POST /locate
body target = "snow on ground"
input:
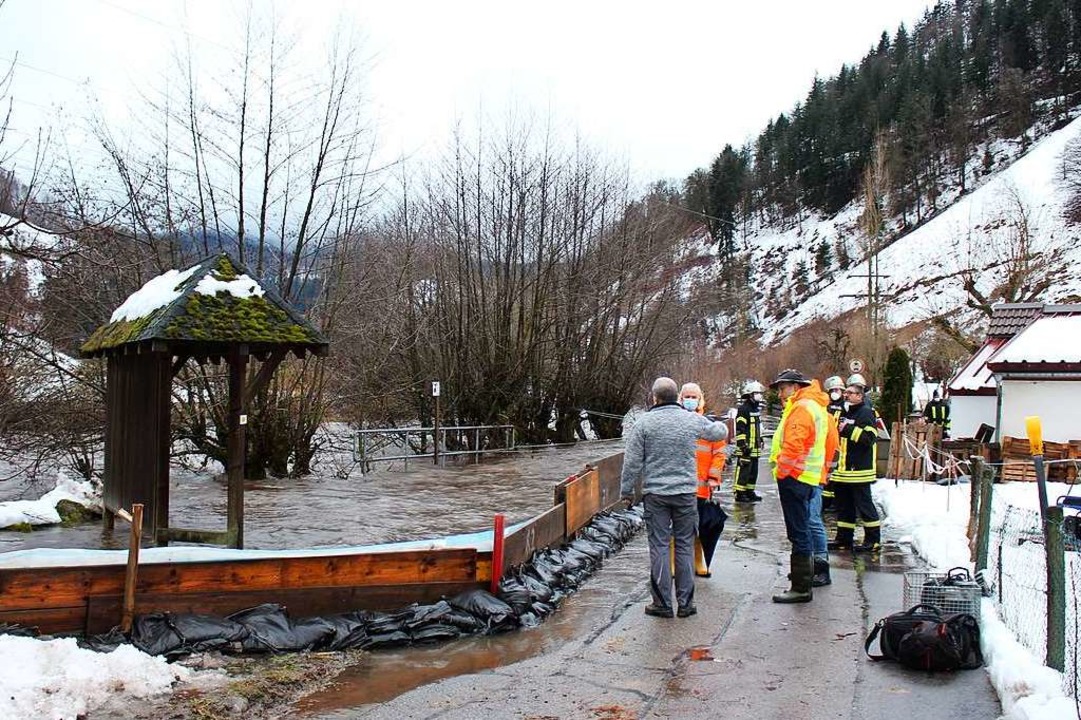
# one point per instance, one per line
(57, 679)
(43, 510)
(934, 520)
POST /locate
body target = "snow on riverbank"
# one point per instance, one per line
(43, 510)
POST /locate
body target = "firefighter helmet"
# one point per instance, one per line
(834, 382)
(857, 380)
(751, 387)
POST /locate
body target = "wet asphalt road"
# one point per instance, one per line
(741, 657)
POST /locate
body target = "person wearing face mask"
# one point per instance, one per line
(798, 460)
(856, 471)
(709, 461)
(835, 388)
(749, 442)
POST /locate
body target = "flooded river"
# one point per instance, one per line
(423, 501)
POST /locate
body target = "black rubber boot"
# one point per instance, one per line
(843, 540)
(821, 573)
(872, 541)
(802, 566)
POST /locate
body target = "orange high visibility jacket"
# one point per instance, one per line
(709, 458)
(797, 440)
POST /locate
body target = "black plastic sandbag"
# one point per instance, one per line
(515, 594)
(271, 630)
(496, 614)
(350, 630)
(395, 638)
(538, 591)
(18, 630)
(182, 634)
(105, 642)
(436, 632)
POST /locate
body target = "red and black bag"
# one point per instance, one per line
(920, 638)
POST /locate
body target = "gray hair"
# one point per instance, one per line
(665, 390)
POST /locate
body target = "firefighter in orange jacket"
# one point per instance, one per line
(709, 458)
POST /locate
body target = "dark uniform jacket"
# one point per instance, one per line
(749, 429)
(859, 445)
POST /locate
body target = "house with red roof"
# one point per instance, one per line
(1030, 364)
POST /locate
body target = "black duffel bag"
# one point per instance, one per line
(922, 639)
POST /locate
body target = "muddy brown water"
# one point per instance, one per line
(423, 501)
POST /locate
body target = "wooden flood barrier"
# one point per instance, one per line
(89, 598)
(907, 439)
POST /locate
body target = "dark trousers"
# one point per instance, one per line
(854, 502)
(746, 474)
(671, 517)
(796, 506)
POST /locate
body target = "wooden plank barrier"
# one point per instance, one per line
(90, 599)
(583, 501)
(545, 530)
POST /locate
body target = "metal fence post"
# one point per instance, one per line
(1056, 590)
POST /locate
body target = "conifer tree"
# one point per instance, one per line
(897, 387)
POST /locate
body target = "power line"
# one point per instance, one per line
(701, 214)
(28, 66)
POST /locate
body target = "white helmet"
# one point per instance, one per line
(834, 382)
(751, 387)
(857, 379)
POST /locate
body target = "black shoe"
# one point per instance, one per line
(753, 496)
(659, 611)
(686, 611)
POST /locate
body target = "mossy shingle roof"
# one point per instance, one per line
(216, 302)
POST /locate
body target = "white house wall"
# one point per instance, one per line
(1057, 402)
(968, 412)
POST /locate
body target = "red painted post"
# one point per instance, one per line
(497, 553)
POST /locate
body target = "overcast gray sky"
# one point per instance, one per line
(664, 84)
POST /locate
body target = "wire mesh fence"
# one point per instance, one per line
(1017, 561)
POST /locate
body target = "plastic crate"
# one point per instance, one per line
(930, 588)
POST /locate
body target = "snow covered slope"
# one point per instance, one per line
(922, 270)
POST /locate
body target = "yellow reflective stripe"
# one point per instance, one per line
(872, 523)
(846, 525)
(856, 434)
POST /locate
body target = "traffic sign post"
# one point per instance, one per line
(435, 423)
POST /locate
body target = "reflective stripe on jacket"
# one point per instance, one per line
(859, 446)
(749, 429)
(799, 445)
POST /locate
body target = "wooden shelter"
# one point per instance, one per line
(213, 312)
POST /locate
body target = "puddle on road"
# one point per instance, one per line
(386, 674)
(700, 654)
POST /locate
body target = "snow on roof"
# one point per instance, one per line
(1051, 339)
(975, 375)
(156, 293)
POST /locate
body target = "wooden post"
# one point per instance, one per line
(497, 552)
(975, 491)
(238, 360)
(1056, 590)
(133, 567)
(986, 481)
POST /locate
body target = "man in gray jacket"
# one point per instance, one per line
(660, 452)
